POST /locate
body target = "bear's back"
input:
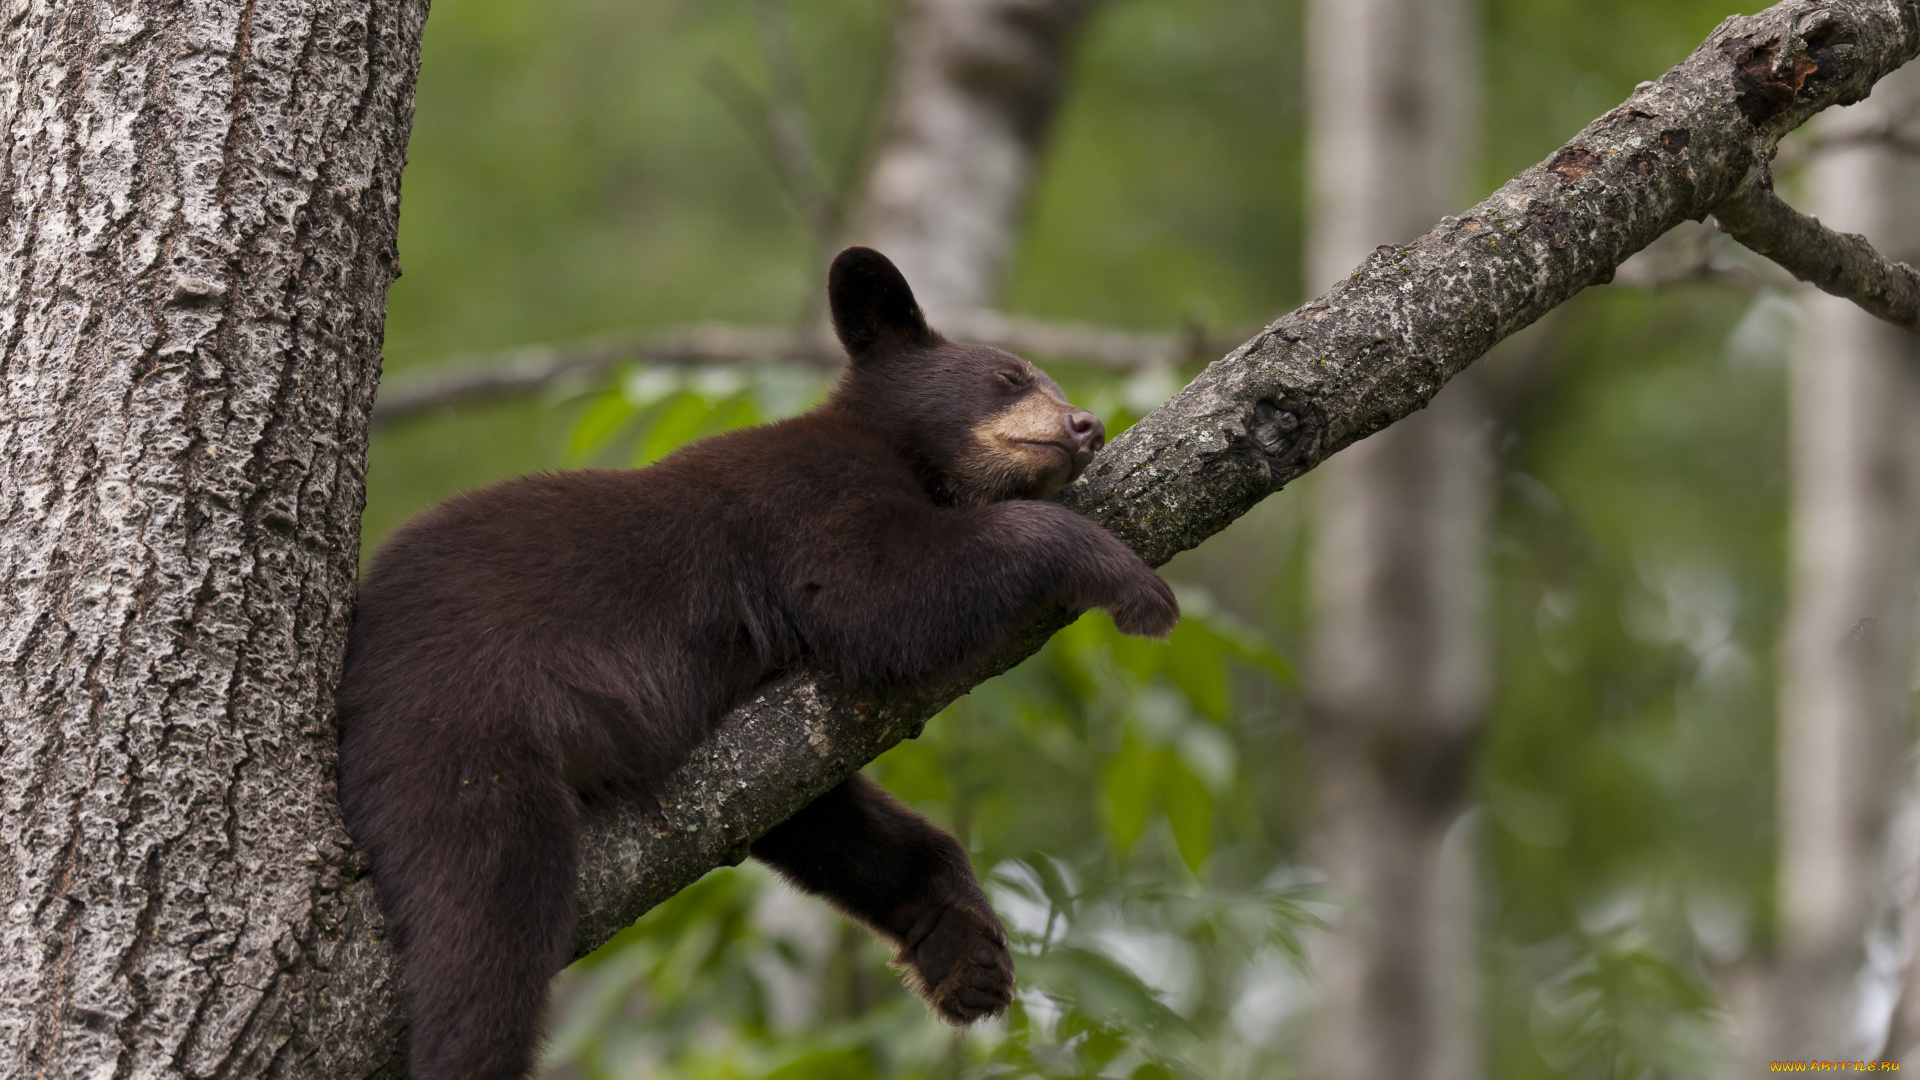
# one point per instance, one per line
(587, 606)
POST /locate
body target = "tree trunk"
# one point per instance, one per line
(1398, 673)
(974, 90)
(198, 213)
(1847, 655)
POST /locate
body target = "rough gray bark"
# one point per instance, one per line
(1397, 677)
(179, 530)
(975, 86)
(1846, 659)
(197, 212)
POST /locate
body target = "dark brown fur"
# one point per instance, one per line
(575, 635)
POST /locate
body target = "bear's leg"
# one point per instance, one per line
(478, 890)
(909, 880)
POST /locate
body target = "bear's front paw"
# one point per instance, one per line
(1148, 608)
(958, 961)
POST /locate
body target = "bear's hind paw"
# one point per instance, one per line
(962, 966)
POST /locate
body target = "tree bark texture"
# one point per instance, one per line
(974, 89)
(1397, 678)
(197, 221)
(181, 492)
(1846, 710)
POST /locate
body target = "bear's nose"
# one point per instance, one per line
(1088, 433)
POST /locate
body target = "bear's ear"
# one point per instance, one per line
(872, 304)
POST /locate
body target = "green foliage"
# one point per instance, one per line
(1136, 808)
(1162, 719)
(1620, 1011)
(572, 173)
(651, 411)
(1554, 66)
(1174, 192)
(1628, 766)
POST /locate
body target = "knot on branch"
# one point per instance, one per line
(1284, 436)
(1273, 427)
(1770, 76)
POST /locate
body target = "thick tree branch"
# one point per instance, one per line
(1843, 264)
(1373, 350)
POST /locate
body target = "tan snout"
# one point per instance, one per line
(1045, 425)
(1031, 449)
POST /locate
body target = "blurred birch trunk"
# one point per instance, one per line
(1397, 676)
(972, 97)
(1847, 658)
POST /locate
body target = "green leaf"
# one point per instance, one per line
(743, 414)
(1159, 714)
(1053, 881)
(1210, 754)
(845, 1064)
(1190, 812)
(692, 952)
(1196, 661)
(602, 420)
(1219, 631)
(1623, 1003)
(1143, 657)
(914, 772)
(677, 426)
(1131, 787)
(1098, 987)
(727, 892)
(1101, 1046)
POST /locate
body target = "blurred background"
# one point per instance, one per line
(1561, 731)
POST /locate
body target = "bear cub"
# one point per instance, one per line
(524, 649)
